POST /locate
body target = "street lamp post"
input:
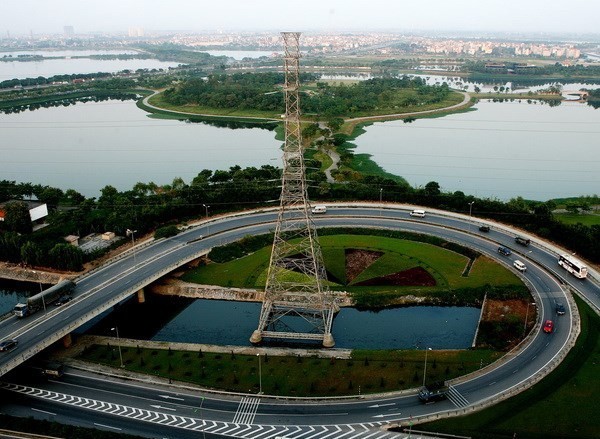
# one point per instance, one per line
(425, 366)
(380, 199)
(41, 290)
(116, 329)
(526, 317)
(470, 213)
(259, 375)
(130, 232)
(207, 226)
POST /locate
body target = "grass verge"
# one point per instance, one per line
(365, 372)
(565, 404)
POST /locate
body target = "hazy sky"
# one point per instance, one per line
(573, 16)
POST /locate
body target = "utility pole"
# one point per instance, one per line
(296, 247)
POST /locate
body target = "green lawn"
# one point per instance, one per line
(587, 219)
(369, 371)
(444, 265)
(563, 405)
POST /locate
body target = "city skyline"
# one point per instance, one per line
(508, 16)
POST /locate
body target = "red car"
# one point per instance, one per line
(548, 326)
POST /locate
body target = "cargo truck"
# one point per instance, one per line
(43, 299)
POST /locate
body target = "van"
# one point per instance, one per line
(53, 370)
(418, 213)
(519, 266)
(319, 209)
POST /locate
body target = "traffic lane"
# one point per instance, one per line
(41, 409)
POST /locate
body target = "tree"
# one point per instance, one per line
(51, 196)
(66, 257)
(432, 188)
(74, 198)
(17, 218)
(31, 254)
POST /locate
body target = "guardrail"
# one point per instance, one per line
(90, 315)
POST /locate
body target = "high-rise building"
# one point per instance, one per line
(68, 31)
(136, 32)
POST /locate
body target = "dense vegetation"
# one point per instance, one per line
(147, 206)
(249, 91)
(519, 68)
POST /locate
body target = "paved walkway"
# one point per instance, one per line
(146, 102)
(465, 101)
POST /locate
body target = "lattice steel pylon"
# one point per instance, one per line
(297, 302)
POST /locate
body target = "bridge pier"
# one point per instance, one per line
(141, 296)
(67, 340)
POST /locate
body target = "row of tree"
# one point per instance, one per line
(147, 206)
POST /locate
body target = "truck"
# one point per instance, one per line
(522, 241)
(432, 394)
(43, 299)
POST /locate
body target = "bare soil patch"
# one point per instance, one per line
(357, 260)
(417, 276)
(496, 310)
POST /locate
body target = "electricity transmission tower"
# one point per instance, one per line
(297, 303)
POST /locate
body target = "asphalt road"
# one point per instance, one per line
(132, 404)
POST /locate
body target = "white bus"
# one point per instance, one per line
(573, 266)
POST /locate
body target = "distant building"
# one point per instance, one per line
(107, 236)
(72, 239)
(136, 32)
(69, 31)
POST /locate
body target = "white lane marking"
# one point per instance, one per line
(107, 426)
(381, 405)
(43, 411)
(385, 416)
(171, 397)
(158, 407)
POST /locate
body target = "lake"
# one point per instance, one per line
(90, 145)
(71, 66)
(501, 150)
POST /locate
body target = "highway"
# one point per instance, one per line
(153, 410)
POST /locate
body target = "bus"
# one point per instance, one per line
(573, 266)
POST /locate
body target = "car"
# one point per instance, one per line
(548, 326)
(319, 209)
(418, 213)
(485, 229)
(62, 300)
(7, 345)
(560, 308)
(504, 251)
(519, 265)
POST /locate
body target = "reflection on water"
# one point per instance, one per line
(87, 146)
(232, 323)
(502, 150)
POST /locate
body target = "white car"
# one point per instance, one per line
(519, 265)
